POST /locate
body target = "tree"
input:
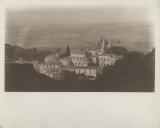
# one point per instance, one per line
(88, 54)
(135, 72)
(68, 51)
(34, 49)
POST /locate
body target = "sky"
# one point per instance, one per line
(140, 5)
(56, 26)
(80, 15)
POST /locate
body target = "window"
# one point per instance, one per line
(76, 64)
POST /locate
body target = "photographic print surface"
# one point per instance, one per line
(90, 49)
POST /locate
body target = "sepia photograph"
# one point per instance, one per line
(83, 49)
(79, 64)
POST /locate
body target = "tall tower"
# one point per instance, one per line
(102, 46)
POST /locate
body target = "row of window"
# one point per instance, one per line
(49, 66)
(105, 64)
(80, 63)
(87, 71)
(78, 58)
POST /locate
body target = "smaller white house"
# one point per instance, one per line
(90, 71)
(51, 67)
(108, 59)
(87, 71)
(50, 70)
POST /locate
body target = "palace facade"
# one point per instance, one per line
(79, 63)
(79, 59)
(108, 59)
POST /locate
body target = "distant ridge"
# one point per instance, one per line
(15, 52)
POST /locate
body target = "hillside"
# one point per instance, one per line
(15, 52)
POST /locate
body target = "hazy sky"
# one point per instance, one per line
(38, 27)
(79, 15)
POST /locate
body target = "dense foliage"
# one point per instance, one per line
(117, 50)
(67, 52)
(135, 72)
(15, 52)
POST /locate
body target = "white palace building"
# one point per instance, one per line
(79, 63)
